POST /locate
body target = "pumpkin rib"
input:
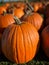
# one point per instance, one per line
(30, 42)
(34, 36)
(20, 57)
(16, 46)
(30, 39)
(24, 43)
(12, 43)
(9, 49)
(22, 28)
(5, 48)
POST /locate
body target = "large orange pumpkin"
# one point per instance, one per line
(45, 39)
(19, 42)
(35, 19)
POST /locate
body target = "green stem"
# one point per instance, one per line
(17, 20)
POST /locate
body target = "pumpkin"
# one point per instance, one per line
(45, 39)
(21, 5)
(6, 5)
(2, 9)
(18, 12)
(47, 21)
(36, 6)
(0, 42)
(47, 11)
(5, 21)
(20, 41)
(32, 17)
(35, 19)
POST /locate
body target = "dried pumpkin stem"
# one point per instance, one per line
(29, 6)
(4, 13)
(28, 12)
(17, 20)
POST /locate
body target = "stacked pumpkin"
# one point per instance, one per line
(19, 27)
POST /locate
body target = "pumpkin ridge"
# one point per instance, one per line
(16, 45)
(29, 38)
(12, 43)
(12, 28)
(5, 43)
(23, 41)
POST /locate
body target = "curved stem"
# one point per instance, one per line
(29, 6)
(17, 20)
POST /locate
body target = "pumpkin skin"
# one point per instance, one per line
(0, 42)
(36, 6)
(47, 21)
(45, 39)
(8, 19)
(6, 5)
(21, 5)
(19, 42)
(47, 11)
(35, 19)
(5, 21)
(18, 12)
(2, 9)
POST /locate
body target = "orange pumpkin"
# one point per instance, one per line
(45, 39)
(21, 5)
(5, 20)
(35, 19)
(36, 6)
(18, 12)
(20, 41)
(47, 21)
(2, 9)
(6, 5)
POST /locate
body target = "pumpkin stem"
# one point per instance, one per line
(17, 20)
(29, 6)
(4, 13)
(28, 12)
